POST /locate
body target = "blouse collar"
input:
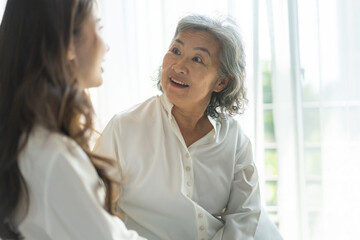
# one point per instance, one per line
(168, 107)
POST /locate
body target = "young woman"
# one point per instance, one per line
(50, 52)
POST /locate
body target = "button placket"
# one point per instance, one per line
(188, 174)
(201, 224)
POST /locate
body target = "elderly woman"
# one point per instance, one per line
(188, 166)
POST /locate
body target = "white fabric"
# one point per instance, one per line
(315, 59)
(266, 229)
(66, 197)
(175, 192)
(286, 118)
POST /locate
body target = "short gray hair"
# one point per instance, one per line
(232, 99)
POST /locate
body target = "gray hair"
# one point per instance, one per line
(232, 99)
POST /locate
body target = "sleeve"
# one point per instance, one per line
(243, 209)
(74, 202)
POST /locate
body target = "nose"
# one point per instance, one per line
(180, 66)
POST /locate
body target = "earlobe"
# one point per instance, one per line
(222, 84)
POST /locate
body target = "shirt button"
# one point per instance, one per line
(188, 169)
(202, 228)
(187, 155)
(200, 215)
(188, 183)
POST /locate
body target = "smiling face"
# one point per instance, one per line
(190, 70)
(90, 49)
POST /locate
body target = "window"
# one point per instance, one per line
(311, 104)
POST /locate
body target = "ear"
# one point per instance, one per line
(221, 84)
(71, 55)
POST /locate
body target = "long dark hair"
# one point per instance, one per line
(38, 85)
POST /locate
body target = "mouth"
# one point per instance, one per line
(178, 82)
(102, 65)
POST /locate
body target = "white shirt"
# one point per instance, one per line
(66, 197)
(177, 192)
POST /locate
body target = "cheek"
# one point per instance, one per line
(163, 77)
(103, 46)
(164, 68)
(99, 49)
(166, 62)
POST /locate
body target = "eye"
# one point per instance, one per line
(176, 51)
(198, 60)
(99, 25)
(100, 28)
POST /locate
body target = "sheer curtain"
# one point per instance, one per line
(285, 117)
(315, 55)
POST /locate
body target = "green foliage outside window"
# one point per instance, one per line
(270, 154)
(269, 133)
(271, 163)
(266, 82)
(271, 193)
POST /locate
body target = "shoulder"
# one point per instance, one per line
(235, 127)
(229, 127)
(139, 113)
(58, 144)
(230, 133)
(54, 164)
(44, 148)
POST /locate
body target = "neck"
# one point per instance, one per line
(187, 119)
(193, 125)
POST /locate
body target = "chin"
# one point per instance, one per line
(98, 84)
(95, 84)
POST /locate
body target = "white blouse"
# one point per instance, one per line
(66, 197)
(206, 191)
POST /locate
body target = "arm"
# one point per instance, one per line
(74, 198)
(243, 209)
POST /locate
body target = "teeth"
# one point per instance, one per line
(180, 83)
